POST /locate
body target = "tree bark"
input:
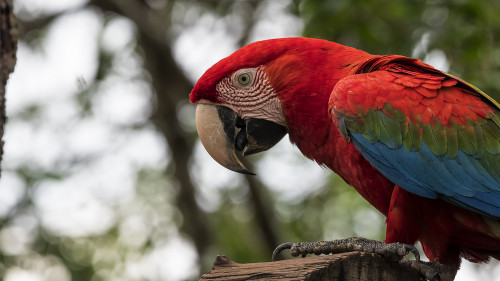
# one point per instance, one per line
(8, 48)
(353, 266)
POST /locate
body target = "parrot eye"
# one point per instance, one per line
(244, 79)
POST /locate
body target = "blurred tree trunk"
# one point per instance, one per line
(8, 48)
(171, 88)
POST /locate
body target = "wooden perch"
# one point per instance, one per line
(353, 266)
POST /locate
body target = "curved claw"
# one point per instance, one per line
(280, 249)
(411, 248)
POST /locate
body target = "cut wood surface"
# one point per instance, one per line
(346, 266)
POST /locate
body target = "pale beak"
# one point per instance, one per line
(216, 125)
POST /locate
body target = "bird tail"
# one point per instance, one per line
(494, 225)
(479, 246)
(479, 256)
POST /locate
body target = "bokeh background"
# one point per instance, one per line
(103, 175)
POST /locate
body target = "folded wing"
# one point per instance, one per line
(427, 131)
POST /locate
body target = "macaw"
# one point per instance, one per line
(420, 145)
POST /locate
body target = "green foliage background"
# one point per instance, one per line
(465, 31)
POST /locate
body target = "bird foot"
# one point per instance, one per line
(432, 271)
(393, 252)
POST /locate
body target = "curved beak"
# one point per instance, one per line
(217, 127)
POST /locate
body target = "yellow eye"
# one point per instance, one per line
(244, 79)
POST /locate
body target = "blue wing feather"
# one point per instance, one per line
(425, 174)
(476, 171)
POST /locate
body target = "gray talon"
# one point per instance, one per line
(411, 248)
(280, 249)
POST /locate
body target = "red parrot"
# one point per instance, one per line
(420, 145)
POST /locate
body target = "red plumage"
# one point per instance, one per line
(303, 72)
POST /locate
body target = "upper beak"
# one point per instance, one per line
(216, 125)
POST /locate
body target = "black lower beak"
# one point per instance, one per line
(218, 127)
(255, 135)
(258, 135)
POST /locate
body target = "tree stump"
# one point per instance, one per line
(353, 266)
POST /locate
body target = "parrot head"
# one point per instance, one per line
(245, 102)
(237, 108)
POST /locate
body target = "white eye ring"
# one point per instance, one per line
(244, 79)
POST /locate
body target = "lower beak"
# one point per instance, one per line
(217, 125)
